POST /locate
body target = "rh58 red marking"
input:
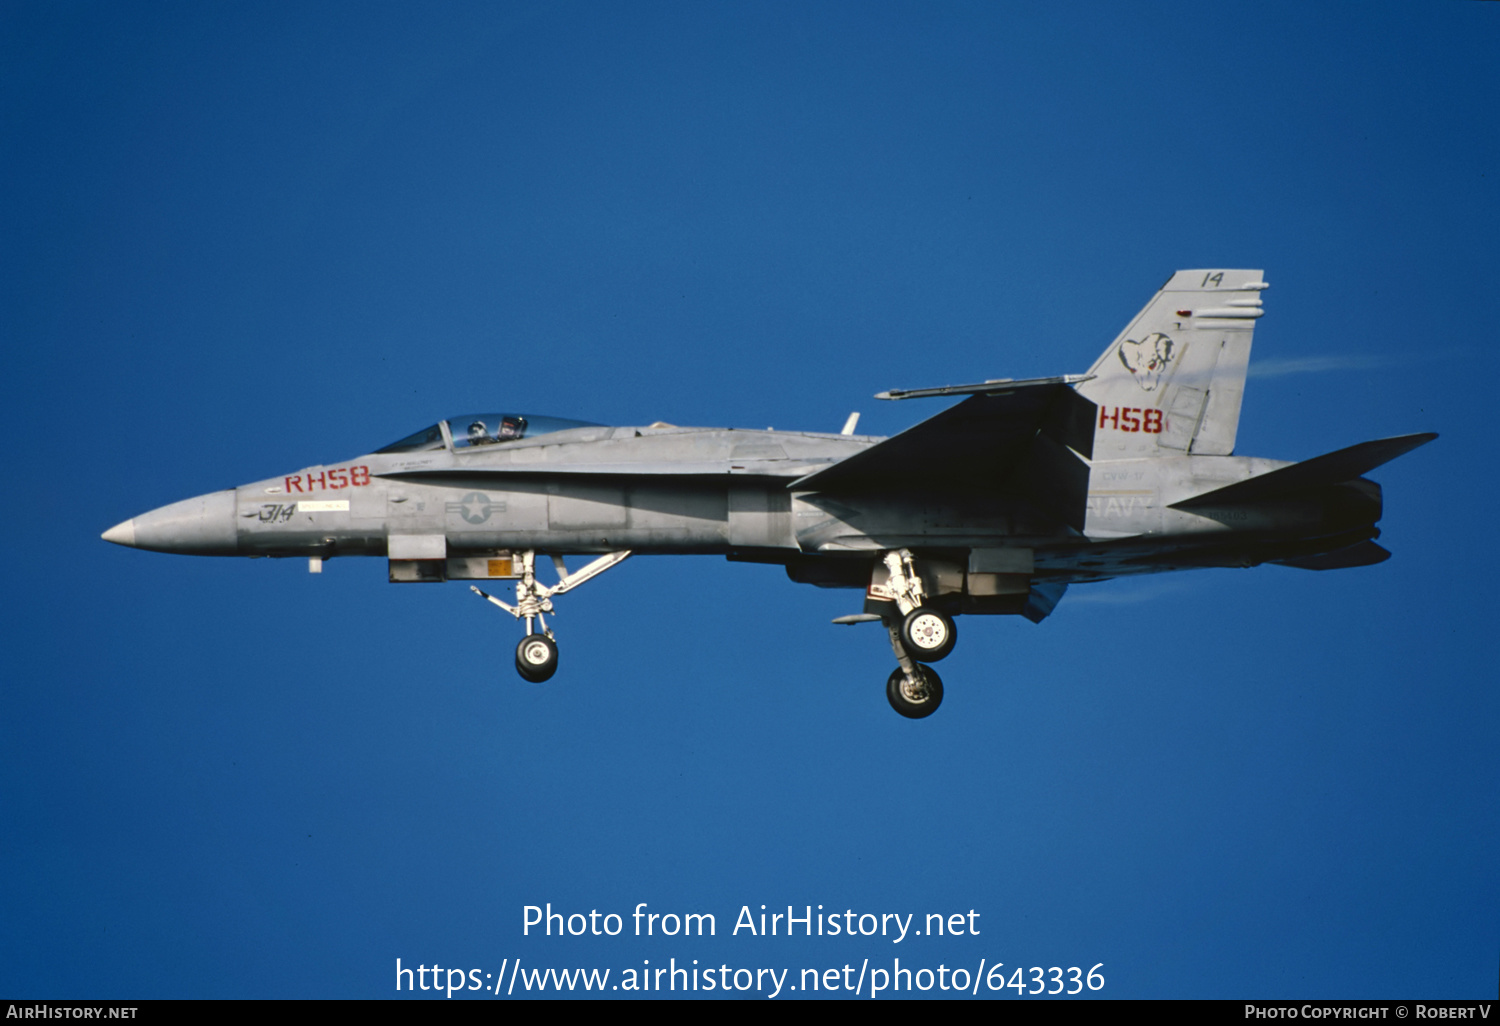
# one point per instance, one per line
(1128, 418)
(338, 477)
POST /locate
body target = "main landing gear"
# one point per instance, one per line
(536, 655)
(918, 632)
(913, 689)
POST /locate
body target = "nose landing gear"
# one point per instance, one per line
(536, 655)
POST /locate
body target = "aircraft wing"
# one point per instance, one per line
(1022, 442)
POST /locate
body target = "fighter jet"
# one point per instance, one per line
(995, 506)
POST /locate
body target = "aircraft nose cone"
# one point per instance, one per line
(121, 534)
(200, 526)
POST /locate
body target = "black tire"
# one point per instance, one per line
(915, 706)
(536, 658)
(928, 634)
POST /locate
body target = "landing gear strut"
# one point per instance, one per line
(536, 656)
(928, 633)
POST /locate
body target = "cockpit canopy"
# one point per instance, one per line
(471, 430)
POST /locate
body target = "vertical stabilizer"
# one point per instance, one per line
(1172, 382)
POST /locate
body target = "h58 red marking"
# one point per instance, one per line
(1129, 418)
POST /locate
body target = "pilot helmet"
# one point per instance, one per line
(478, 430)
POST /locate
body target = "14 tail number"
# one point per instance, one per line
(1129, 418)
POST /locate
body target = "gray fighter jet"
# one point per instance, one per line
(994, 506)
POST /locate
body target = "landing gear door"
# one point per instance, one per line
(501, 565)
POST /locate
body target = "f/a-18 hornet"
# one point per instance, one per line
(994, 506)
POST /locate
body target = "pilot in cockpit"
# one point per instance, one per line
(479, 434)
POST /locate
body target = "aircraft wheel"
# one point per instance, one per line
(536, 658)
(928, 634)
(915, 701)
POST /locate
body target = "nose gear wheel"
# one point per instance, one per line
(536, 658)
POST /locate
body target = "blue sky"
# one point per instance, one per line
(241, 239)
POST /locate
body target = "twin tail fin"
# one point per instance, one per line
(1172, 382)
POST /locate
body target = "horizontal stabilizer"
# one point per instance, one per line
(1329, 469)
(1366, 553)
